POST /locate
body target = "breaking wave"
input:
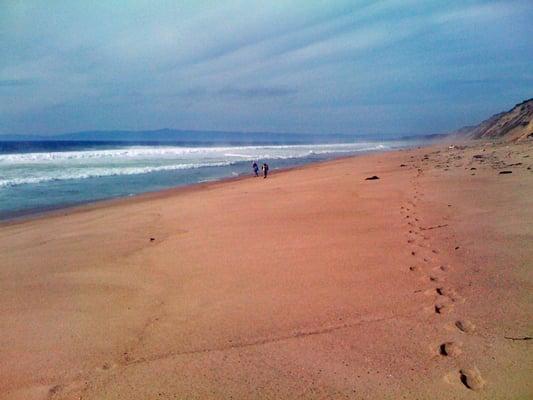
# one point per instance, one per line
(102, 172)
(39, 167)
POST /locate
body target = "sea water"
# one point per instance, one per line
(36, 176)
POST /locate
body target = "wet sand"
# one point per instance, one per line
(313, 283)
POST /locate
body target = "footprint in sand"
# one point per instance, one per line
(54, 390)
(107, 366)
(465, 326)
(472, 379)
(449, 294)
(454, 296)
(443, 299)
(449, 349)
(442, 308)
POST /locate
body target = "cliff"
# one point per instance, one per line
(513, 125)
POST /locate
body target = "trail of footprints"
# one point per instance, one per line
(433, 274)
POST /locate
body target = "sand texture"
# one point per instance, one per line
(313, 284)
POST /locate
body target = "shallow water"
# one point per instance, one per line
(36, 176)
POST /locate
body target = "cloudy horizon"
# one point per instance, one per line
(352, 67)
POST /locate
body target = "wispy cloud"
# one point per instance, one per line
(479, 12)
(307, 65)
(257, 92)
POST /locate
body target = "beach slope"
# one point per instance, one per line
(312, 283)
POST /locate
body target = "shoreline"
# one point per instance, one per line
(39, 213)
(76, 192)
(312, 283)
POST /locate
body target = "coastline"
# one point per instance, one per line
(29, 214)
(65, 178)
(312, 283)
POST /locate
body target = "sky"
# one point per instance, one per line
(303, 66)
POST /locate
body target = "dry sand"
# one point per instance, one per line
(313, 283)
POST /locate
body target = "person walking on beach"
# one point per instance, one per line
(255, 168)
(265, 170)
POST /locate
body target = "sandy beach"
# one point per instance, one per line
(314, 283)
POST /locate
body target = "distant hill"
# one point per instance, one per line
(513, 125)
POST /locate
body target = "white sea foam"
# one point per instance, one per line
(102, 172)
(143, 152)
(32, 168)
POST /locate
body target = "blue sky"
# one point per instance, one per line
(367, 67)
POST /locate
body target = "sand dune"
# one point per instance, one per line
(513, 125)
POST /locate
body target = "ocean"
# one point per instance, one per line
(39, 176)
